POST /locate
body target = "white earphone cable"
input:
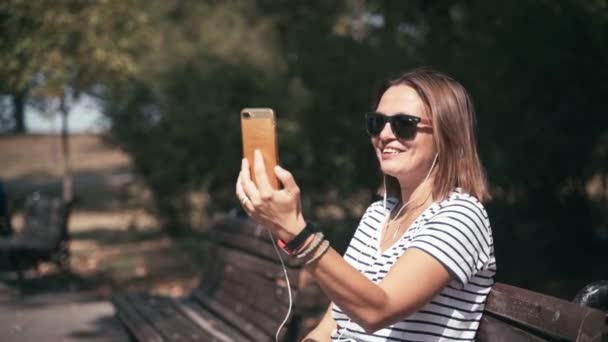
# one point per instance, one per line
(424, 181)
(276, 249)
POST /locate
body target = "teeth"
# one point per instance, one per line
(390, 150)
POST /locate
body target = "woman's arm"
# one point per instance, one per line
(322, 332)
(414, 280)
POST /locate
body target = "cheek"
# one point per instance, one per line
(427, 149)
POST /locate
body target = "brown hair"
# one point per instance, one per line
(453, 117)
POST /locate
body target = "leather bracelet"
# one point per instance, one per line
(297, 242)
(318, 239)
(324, 248)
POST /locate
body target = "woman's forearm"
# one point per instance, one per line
(322, 332)
(361, 299)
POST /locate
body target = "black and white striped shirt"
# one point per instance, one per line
(457, 233)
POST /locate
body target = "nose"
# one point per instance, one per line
(387, 132)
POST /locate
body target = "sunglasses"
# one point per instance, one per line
(403, 125)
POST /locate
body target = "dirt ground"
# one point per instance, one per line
(115, 243)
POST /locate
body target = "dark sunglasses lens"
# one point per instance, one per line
(374, 123)
(403, 127)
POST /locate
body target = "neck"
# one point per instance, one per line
(419, 195)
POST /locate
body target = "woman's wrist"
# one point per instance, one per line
(289, 231)
(305, 245)
(294, 240)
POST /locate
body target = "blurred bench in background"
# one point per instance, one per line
(44, 236)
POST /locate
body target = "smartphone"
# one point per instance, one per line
(258, 129)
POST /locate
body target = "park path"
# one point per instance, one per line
(57, 316)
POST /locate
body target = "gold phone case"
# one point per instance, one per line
(258, 129)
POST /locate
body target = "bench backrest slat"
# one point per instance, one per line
(259, 293)
(260, 246)
(540, 315)
(255, 284)
(496, 330)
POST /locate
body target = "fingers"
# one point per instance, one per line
(261, 177)
(249, 187)
(242, 196)
(287, 180)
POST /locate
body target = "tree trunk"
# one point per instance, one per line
(19, 111)
(65, 149)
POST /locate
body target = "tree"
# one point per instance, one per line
(54, 51)
(179, 120)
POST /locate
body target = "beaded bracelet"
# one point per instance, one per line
(324, 248)
(312, 246)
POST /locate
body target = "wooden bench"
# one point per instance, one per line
(515, 314)
(44, 236)
(242, 296)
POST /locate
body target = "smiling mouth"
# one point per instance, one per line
(390, 150)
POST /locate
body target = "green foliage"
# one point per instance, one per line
(50, 48)
(535, 69)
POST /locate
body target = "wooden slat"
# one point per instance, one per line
(213, 270)
(260, 312)
(170, 323)
(260, 247)
(547, 315)
(594, 327)
(256, 264)
(264, 304)
(260, 318)
(231, 317)
(494, 330)
(256, 284)
(241, 226)
(218, 330)
(136, 324)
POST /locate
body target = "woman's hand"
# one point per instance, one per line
(277, 210)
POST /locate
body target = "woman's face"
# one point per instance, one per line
(407, 160)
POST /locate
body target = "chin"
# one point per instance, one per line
(390, 170)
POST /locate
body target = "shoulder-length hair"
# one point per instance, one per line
(451, 111)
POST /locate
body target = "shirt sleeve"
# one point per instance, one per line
(459, 237)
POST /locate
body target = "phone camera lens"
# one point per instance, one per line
(246, 115)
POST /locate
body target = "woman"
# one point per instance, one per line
(421, 262)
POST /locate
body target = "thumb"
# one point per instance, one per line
(286, 179)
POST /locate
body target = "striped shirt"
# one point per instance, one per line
(457, 233)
